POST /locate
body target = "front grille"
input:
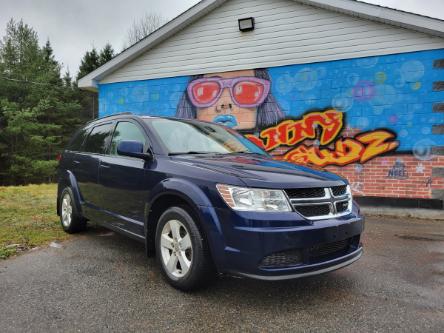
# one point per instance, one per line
(282, 259)
(321, 203)
(320, 251)
(310, 255)
(341, 206)
(313, 210)
(339, 190)
(300, 193)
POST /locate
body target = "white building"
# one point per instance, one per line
(355, 88)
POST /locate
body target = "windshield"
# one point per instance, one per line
(190, 137)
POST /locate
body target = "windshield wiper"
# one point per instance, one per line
(246, 152)
(191, 152)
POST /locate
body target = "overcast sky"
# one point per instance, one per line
(74, 26)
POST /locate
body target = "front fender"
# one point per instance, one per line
(184, 187)
(198, 200)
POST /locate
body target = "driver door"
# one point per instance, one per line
(122, 181)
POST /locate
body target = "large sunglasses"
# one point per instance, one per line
(247, 92)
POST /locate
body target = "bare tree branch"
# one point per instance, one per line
(143, 27)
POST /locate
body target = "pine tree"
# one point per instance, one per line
(48, 55)
(106, 54)
(19, 51)
(37, 111)
(89, 62)
(67, 79)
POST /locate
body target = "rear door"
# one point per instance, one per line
(86, 163)
(122, 180)
(70, 154)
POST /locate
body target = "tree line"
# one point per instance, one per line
(41, 107)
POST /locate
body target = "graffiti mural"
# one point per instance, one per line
(365, 118)
(240, 100)
(325, 127)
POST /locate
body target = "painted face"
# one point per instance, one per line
(230, 98)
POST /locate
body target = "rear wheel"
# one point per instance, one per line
(69, 217)
(181, 250)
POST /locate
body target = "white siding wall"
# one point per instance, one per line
(287, 32)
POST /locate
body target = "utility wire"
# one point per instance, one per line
(38, 83)
(25, 81)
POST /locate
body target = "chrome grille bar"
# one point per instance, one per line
(307, 206)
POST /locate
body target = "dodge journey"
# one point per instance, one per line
(205, 200)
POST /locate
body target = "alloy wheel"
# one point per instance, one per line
(66, 210)
(176, 248)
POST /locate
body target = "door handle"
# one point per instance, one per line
(105, 165)
(76, 162)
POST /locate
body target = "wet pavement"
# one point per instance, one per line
(100, 281)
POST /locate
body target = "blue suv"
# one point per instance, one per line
(204, 199)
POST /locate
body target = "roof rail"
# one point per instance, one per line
(112, 115)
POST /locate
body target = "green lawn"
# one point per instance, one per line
(28, 218)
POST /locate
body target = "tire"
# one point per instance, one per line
(182, 251)
(70, 219)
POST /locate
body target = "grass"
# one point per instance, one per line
(28, 218)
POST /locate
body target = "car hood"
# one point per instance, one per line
(258, 171)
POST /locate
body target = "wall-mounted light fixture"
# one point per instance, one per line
(246, 24)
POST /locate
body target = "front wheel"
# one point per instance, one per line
(181, 251)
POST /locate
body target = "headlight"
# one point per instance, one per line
(252, 199)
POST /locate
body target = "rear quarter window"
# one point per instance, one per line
(77, 140)
(98, 140)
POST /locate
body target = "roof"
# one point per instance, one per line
(416, 22)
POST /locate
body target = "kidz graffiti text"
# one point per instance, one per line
(327, 146)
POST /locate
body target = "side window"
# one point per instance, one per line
(98, 139)
(76, 142)
(126, 131)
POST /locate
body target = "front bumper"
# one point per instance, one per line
(251, 237)
(315, 269)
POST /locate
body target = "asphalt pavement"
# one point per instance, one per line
(102, 282)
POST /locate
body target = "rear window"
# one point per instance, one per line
(77, 140)
(98, 139)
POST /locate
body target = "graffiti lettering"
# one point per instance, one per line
(377, 143)
(429, 182)
(398, 171)
(292, 132)
(339, 151)
(346, 150)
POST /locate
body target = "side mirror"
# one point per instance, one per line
(133, 149)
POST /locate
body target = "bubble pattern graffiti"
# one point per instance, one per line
(356, 117)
